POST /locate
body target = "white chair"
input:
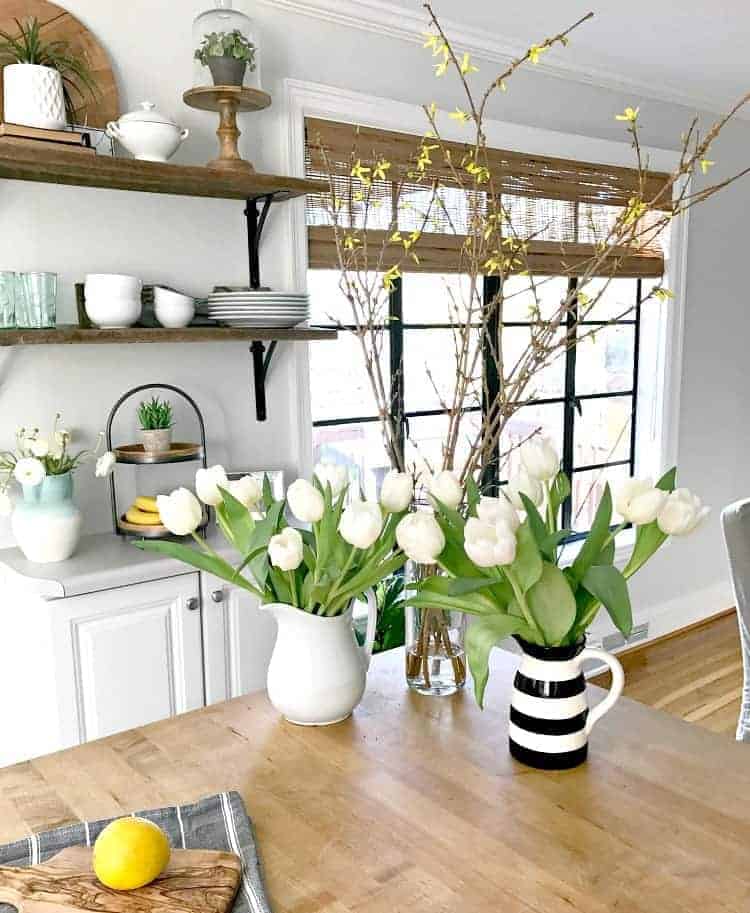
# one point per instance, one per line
(735, 521)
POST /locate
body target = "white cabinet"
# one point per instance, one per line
(238, 639)
(128, 656)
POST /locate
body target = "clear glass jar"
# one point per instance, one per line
(36, 300)
(7, 299)
(435, 653)
(226, 51)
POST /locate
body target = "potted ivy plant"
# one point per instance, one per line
(227, 55)
(41, 79)
(156, 421)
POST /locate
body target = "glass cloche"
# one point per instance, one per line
(226, 51)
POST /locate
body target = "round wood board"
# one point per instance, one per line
(206, 98)
(58, 24)
(177, 453)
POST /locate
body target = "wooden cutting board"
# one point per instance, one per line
(195, 881)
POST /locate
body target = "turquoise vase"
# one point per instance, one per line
(46, 523)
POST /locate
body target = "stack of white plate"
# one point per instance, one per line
(256, 308)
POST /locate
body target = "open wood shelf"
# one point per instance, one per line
(73, 335)
(23, 162)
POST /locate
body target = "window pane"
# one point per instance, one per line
(339, 385)
(588, 488)
(432, 298)
(329, 305)
(609, 299)
(427, 435)
(604, 361)
(430, 369)
(602, 432)
(549, 383)
(549, 419)
(359, 447)
(519, 303)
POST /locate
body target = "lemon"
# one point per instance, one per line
(130, 853)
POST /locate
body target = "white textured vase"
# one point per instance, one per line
(33, 96)
(318, 671)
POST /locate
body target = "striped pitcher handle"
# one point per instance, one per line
(618, 683)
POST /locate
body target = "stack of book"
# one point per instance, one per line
(68, 139)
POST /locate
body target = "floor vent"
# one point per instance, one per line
(616, 641)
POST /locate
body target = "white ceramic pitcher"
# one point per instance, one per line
(318, 671)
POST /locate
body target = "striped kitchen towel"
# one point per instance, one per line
(217, 822)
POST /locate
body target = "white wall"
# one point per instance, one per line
(195, 243)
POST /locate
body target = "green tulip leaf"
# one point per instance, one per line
(596, 539)
(527, 566)
(552, 603)
(473, 496)
(559, 491)
(481, 636)
(609, 587)
(202, 561)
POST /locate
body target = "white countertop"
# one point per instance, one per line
(102, 561)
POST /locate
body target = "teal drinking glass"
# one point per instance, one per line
(36, 300)
(7, 300)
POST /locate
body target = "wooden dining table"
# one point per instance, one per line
(414, 804)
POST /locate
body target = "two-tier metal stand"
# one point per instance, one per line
(131, 455)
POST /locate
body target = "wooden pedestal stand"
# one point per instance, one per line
(228, 101)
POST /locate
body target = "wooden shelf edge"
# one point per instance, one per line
(73, 335)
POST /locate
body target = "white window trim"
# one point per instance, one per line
(657, 439)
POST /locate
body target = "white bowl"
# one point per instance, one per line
(172, 309)
(108, 312)
(113, 284)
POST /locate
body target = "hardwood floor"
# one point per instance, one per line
(695, 675)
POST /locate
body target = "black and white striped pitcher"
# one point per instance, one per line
(550, 720)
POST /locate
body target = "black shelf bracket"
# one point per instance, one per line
(261, 364)
(256, 212)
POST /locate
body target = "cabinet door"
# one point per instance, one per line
(135, 653)
(238, 638)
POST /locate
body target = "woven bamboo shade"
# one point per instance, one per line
(565, 205)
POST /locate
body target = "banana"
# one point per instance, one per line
(143, 502)
(142, 517)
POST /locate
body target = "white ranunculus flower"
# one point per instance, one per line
(489, 544)
(540, 459)
(523, 483)
(361, 523)
(419, 536)
(105, 464)
(638, 502)
(62, 437)
(247, 491)
(305, 501)
(285, 549)
(39, 447)
(207, 484)
(446, 488)
(396, 491)
(334, 475)
(180, 511)
(496, 510)
(29, 471)
(681, 512)
(6, 505)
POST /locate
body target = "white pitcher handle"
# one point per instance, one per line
(618, 683)
(372, 624)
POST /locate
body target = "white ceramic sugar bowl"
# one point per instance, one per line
(147, 133)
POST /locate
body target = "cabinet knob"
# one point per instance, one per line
(218, 595)
(193, 604)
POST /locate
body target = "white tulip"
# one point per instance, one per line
(419, 536)
(334, 475)
(361, 523)
(489, 544)
(39, 447)
(305, 501)
(6, 505)
(498, 510)
(396, 492)
(446, 488)
(246, 490)
(681, 512)
(105, 464)
(29, 471)
(540, 459)
(523, 483)
(180, 512)
(207, 483)
(638, 502)
(285, 549)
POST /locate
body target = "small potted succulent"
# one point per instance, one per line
(156, 421)
(41, 79)
(227, 55)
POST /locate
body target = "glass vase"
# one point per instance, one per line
(36, 300)
(7, 299)
(435, 654)
(215, 26)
